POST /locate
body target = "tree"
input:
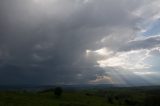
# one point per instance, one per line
(58, 91)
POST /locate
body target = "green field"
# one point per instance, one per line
(114, 97)
(49, 99)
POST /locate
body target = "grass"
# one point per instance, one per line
(110, 97)
(49, 99)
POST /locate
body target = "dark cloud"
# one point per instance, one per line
(37, 47)
(144, 43)
(45, 42)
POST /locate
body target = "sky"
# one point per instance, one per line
(47, 42)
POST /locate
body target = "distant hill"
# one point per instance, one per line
(72, 87)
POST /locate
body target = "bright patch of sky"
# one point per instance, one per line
(153, 29)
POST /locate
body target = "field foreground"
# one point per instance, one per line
(110, 97)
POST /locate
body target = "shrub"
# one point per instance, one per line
(58, 91)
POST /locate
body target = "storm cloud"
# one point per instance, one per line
(46, 41)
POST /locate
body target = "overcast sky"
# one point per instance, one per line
(44, 42)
